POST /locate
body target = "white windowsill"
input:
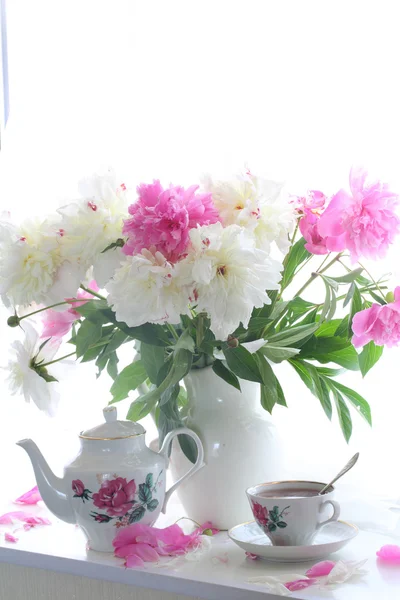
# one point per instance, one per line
(61, 548)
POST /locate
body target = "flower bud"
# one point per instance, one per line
(207, 532)
(13, 321)
(232, 342)
(390, 297)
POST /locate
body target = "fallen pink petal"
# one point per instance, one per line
(140, 543)
(299, 584)
(321, 569)
(252, 556)
(23, 517)
(31, 497)
(10, 538)
(389, 554)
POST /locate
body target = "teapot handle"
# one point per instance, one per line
(199, 464)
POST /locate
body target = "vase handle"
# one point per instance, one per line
(199, 464)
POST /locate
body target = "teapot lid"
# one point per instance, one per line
(113, 429)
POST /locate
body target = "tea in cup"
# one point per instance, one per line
(289, 512)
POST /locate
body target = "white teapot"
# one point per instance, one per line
(115, 480)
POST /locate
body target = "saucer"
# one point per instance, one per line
(330, 538)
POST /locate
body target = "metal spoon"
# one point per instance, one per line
(346, 468)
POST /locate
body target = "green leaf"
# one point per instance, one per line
(148, 333)
(88, 334)
(343, 414)
(152, 358)
(343, 328)
(328, 328)
(277, 354)
(329, 372)
(243, 364)
(149, 480)
(118, 338)
(332, 308)
(222, 371)
(349, 294)
(271, 527)
(152, 505)
(129, 379)
(137, 514)
(112, 365)
(269, 388)
(346, 357)
(370, 355)
(356, 306)
(278, 309)
(180, 367)
(185, 342)
(310, 376)
(119, 243)
(377, 298)
(93, 311)
(325, 306)
(331, 282)
(188, 446)
(293, 334)
(44, 374)
(282, 524)
(349, 277)
(145, 494)
(170, 394)
(92, 353)
(281, 396)
(297, 255)
(356, 400)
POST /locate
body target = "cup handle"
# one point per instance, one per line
(199, 464)
(336, 512)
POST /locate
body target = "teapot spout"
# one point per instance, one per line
(51, 488)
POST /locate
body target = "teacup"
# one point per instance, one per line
(289, 512)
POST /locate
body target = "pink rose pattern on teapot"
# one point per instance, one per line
(120, 500)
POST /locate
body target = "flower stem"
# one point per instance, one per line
(172, 330)
(373, 280)
(51, 362)
(318, 272)
(45, 308)
(86, 289)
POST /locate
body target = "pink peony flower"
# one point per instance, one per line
(116, 496)
(378, 323)
(163, 218)
(362, 221)
(260, 513)
(140, 543)
(313, 201)
(31, 497)
(58, 323)
(389, 554)
(308, 226)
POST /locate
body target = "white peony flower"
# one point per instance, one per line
(94, 222)
(236, 200)
(23, 379)
(257, 204)
(146, 289)
(29, 258)
(229, 274)
(277, 216)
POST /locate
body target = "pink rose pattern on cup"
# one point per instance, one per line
(120, 500)
(269, 521)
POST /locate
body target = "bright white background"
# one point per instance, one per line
(169, 89)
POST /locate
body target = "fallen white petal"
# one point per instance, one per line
(343, 571)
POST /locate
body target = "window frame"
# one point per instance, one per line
(4, 82)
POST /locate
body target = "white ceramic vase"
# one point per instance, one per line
(241, 446)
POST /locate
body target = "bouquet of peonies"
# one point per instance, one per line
(187, 275)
